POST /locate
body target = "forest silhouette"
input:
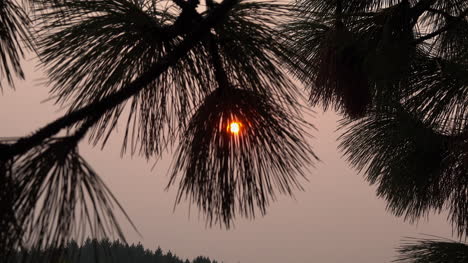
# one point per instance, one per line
(102, 251)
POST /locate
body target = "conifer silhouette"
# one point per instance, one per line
(185, 70)
(397, 70)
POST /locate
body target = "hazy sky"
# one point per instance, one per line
(337, 218)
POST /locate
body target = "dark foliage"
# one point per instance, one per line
(397, 70)
(347, 58)
(51, 195)
(11, 230)
(14, 39)
(332, 66)
(99, 54)
(226, 173)
(438, 91)
(108, 36)
(94, 48)
(432, 250)
(57, 196)
(416, 169)
(103, 251)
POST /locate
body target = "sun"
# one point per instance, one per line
(234, 127)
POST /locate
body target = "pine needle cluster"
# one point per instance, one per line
(397, 72)
(225, 172)
(172, 72)
(432, 249)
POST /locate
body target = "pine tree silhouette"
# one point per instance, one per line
(186, 72)
(397, 71)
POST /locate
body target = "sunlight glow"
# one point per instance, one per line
(234, 127)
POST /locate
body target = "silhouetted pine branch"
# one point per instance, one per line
(342, 59)
(438, 91)
(260, 66)
(98, 47)
(416, 169)
(398, 69)
(113, 100)
(432, 250)
(52, 195)
(43, 163)
(10, 229)
(118, 40)
(227, 174)
(253, 30)
(326, 58)
(15, 38)
(62, 197)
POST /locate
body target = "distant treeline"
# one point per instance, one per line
(104, 251)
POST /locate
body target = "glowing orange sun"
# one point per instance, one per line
(234, 127)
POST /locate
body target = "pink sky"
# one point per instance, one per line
(337, 218)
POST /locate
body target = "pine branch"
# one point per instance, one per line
(220, 73)
(339, 10)
(421, 7)
(226, 173)
(15, 39)
(189, 4)
(108, 103)
(440, 30)
(440, 12)
(432, 249)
